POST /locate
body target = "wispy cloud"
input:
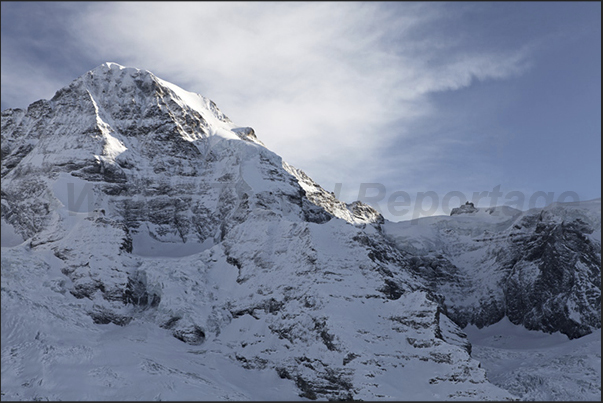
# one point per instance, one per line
(322, 83)
(39, 54)
(32, 82)
(331, 87)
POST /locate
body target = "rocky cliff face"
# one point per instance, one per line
(540, 268)
(129, 203)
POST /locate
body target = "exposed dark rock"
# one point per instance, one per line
(467, 208)
(321, 327)
(193, 335)
(104, 316)
(391, 290)
(271, 306)
(136, 294)
(349, 357)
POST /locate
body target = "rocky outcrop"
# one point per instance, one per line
(466, 208)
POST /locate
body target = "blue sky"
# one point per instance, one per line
(405, 97)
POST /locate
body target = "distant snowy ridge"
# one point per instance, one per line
(540, 268)
(153, 249)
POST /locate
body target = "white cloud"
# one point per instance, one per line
(328, 86)
(321, 83)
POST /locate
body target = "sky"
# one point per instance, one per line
(411, 107)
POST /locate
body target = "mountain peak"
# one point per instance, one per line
(112, 65)
(124, 97)
(116, 67)
(115, 72)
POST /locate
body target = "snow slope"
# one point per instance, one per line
(534, 365)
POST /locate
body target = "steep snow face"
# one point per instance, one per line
(534, 365)
(152, 249)
(540, 268)
(356, 212)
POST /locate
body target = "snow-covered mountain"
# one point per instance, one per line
(152, 249)
(540, 268)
